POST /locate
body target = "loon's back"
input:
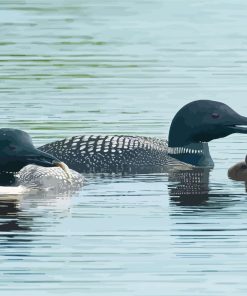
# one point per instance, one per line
(38, 177)
(110, 154)
(41, 178)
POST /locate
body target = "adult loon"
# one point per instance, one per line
(193, 126)
(22, 164)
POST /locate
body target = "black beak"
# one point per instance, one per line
(240, 125)
(41, 158)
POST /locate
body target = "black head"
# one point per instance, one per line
(17, 151)
(203, 121)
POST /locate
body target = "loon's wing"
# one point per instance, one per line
(46, 178)
(110, 154)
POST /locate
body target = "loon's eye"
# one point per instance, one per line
(12, 147)
(215, 115)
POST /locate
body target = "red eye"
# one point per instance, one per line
(12, 147)
(215, 115)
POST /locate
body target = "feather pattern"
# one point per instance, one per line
(110, 154)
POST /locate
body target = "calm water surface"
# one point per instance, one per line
(124, 67)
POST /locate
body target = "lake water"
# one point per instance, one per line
(123, 67)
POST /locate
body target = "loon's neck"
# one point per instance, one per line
(196, 154)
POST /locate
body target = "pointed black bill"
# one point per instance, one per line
(41, 158)
(240, 126)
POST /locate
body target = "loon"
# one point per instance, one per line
(193, 126)
(21, 164)
(238, 172)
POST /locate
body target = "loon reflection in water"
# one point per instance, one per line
(189, 187)
(192, 127)
(24, 166)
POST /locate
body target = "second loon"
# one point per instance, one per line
(22, 164)
(191, 129)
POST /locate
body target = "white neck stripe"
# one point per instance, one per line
(183, 150)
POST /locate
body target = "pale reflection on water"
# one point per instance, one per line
(105, 67)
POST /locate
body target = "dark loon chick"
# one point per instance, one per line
(17, 152)
(238, 172)
(193, 126)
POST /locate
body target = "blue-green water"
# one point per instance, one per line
(123, 67)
